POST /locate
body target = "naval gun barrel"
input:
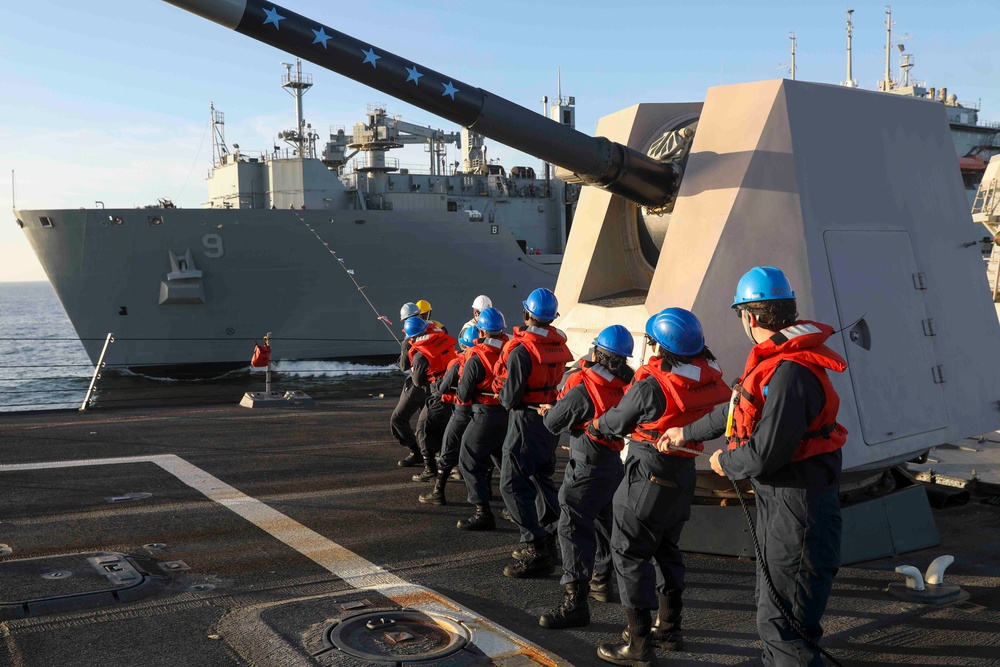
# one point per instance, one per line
(595, 160)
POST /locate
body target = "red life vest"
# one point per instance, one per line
(605, 391)
(691, 391)
(802, 343)
(261, 356)
(549, 355)
(450, 396)
(438, 349)
(488, 350)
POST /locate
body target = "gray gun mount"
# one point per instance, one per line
(594, 160)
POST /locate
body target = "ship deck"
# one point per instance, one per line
(262, 528)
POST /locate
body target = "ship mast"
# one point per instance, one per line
(887, 83)
(791, 36)
(297, 84)
(850, 82)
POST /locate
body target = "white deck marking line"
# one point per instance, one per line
(492, 639)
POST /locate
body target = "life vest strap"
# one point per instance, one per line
(824, 431)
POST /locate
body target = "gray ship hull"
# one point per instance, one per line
(195, 287)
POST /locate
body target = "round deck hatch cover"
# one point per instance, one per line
(388, 636)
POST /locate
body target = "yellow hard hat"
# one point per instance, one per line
(424, 306)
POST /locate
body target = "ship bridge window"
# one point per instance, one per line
(155, 220)
(45, 220)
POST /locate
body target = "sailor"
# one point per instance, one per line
(593, 472)
(479, 304)
(430, 351)
(411, 398)
(461, 415)
(527, 376)
(425, 314)
(681, 383)
(783, 434)
(484, 436)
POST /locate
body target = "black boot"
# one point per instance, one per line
(430, 471)
(545, 545)
(436, 495)
(573, 612)
(600, 587)
(481, 520)
(412, 459)
(667, 626)
(535, 563)
(638, 650)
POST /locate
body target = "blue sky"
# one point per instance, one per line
(109, 100)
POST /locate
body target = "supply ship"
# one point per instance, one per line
(318, 242)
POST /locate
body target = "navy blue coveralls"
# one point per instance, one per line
(461, 416)
(650, 506)
(798, 510)
(434, 415)
(411, 400)
(529, 457)
(483, 437)
(592, 474)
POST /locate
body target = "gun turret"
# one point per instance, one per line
(595, 160)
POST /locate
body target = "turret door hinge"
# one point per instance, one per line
(938, 374)
(929, 327)
(919, 282)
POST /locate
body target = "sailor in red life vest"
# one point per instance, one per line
(479, 304)
(430, 351)
(461, 415)
(527, 375)
(484, 436)
(678, 385)
(783, 434)
(592, 474)
(411, 399)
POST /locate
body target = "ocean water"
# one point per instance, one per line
(43, 366)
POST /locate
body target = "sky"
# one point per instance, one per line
(109, 101)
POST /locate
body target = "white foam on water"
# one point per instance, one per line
(327, 369)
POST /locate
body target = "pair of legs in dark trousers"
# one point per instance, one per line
(650, 508)
(451, 443)
(592, 475)
(481, 445)
(431, 424)
(527, 466)
(411, 401)
(799, 532)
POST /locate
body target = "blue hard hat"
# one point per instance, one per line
(491, 319)
(762, 283)
(677, 330)
(468, 337)
(616, 339)
(542, 303)
(414, 326)
(649, 324)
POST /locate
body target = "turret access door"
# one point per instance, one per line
(895, 373)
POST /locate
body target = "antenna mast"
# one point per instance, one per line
(887, 83)
(297, 84)
(850, 83)
(791, 36)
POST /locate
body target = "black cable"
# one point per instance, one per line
(762, 563)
